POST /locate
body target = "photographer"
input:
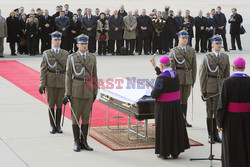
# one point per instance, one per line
(235, 21)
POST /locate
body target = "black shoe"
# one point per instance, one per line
(216, 133)
(76, 132)
(211, 139)
(232, 49)
(84, 145)
(58, 120)
(227, 51)
(1, 56)
(162, 156)
(139, 53)
(197, 51)
(240, 49)
(76, 146)
(52, 124)
(113, 54)
(174, 156)
(188, 125)
(13, 54)
(203, 51)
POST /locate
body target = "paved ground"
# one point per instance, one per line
(24, 136)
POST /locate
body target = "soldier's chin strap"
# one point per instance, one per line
(54, 121)
(76, 119)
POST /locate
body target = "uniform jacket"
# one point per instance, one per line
(3, 28)
(213, 85)
(113, 23)
(186, 71)
(50, 79)
(102, 29)
(127, 24)
(78, 88)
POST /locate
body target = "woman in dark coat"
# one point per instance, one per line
(22, 35)
(12, 27)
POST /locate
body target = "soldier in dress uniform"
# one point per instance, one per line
(183, 61)
(81, 90)
(214, 69)
(52, 78)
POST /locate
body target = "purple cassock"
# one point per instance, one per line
(233, 116)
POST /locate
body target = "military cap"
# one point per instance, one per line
(16, 10)
(56, 35)
(216, 38)
(183, 33)
(82, 38)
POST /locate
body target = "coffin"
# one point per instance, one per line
(130, 97)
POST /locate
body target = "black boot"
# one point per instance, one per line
(52, 124)
(216, 133)
(84, 144)
(209, 129)
(58, 120)
(184, 110)
(76, 132)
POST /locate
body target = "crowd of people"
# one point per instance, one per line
(118, 33)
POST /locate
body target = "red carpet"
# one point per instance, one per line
(28, 80)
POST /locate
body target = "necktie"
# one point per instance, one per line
(46, 17)
(57, 51)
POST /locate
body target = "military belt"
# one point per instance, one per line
(82, 79)
(183, 68)
(56, 72)
(215, 76)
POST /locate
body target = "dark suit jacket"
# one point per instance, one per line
(200, 22)
(235, 25)
(144, 21)
(63, 23)
(89, 23)
(44, 30)
(75, 27)
(113, 23)
(30, 30)
(220, 20)
(69, 15)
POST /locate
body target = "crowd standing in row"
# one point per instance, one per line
(127, 32)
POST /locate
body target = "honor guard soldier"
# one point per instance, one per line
(81, 90)
(52, 78)
(183, 61)
(214, 69)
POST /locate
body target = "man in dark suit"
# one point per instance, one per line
(191, 21)
(89, 28)
(68, 13)
(62, 25)
(38, 16)
(122, 11)
(79, 14)
(144, 24)
(75, 30)
(200, 25)
(46, 28)
(54, 16)
(220, 28)
(179, 19)
(116, 32)
(97, 13)
(235, 21)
